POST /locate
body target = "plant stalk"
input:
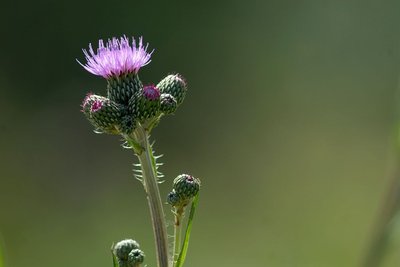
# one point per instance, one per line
(185, 245)
(383, 227)
(177, 233)
(150, 183)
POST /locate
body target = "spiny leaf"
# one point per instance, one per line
(156, 165)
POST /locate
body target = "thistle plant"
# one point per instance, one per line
(132, 110)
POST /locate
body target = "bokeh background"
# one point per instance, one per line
(289, 122)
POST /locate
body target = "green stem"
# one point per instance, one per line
(149, 172)
(177, 233)
(182, 255)
(383, 227)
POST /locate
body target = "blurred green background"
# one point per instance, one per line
(289, 123)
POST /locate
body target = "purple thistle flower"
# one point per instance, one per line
(117, 57)
(151, 92)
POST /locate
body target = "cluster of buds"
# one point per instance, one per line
(128, 102)
(185, 188)
(128, 253)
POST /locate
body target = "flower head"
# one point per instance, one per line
(135, 257)
(186, 186)
(116, 57)
(174, 85)
(97, 104)
(151, 92)
(124, 247)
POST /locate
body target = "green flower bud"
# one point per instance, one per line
(128, 124)
(124, 247)
(186, 186)
(174, 85)
(135, 257)
(103, 113)
(173, 199)
(145, 104)
(121, 88)
(168, 104)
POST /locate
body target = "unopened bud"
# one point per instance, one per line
(168, 104)
(135, 257)
(174, 85)
(146, 103)
(186, 186)
(103, 113)
(172, 198)
(124, 247)
(128, 124)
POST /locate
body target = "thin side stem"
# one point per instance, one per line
(149, 172)
(177, 233)
(390, 206)
(182, 254)
(383, 228)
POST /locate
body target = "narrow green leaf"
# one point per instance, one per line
(182, 254)
(115, 261)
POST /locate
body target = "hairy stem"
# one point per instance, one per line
(149, 172)
(177, 233)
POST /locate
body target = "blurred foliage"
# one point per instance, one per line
(1, 257)
(288, 123)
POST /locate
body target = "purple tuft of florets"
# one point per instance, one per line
(97, 104)
(151, 92)
(116, 57)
